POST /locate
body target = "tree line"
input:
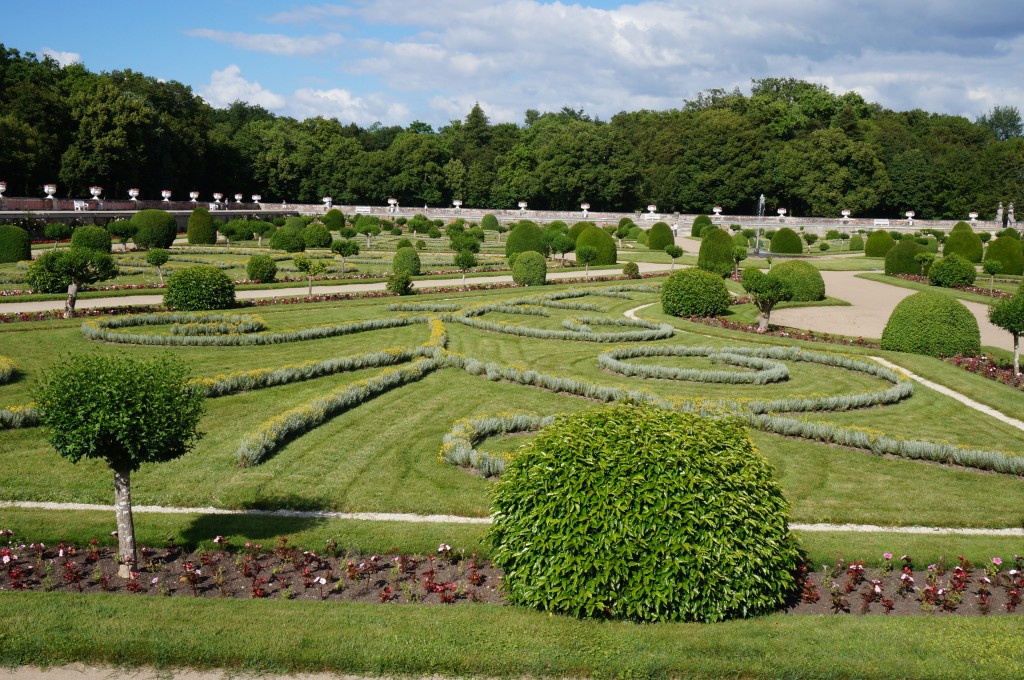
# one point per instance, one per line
(804, 147)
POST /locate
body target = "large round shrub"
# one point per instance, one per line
(716, 252)
(952, 271)
(578, 228)
(660, 236)
(406, 261)
(288, 239)
(786, 241)
(900, 258)
(334, 220)
(633, 512)
(489, 222)
(694, 292)
(598, 238)
(201, 229)
(530, 269)
(878, 244)
(15, 244)
(932, 323)
(966, 244)
(961, 226)
(699, 222)
(803, 278)
(261, 268)
(525, 236)
(856, 242)
(316, 235)
(92, 238)
(154, 229)
(1007, 251)
(199, 288)
(298, 223)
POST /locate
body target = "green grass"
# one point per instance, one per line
(982, 282)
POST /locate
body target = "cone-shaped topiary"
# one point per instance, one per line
(660, 236)
(900, 258)
(699, 222)
(1007, 251)
(154, 229)
(601, 240)
(199, 288)
(530, 269)
(786, 241)
(716, 252)
(952, 271)
(803, 279)
(15, 244)
(91, 238)
(201, 229)
(406, 261)
(932, 323)
(633, 512)
(525, 236)
(694, 292)
(964, 243)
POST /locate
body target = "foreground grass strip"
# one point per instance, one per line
(59, 628)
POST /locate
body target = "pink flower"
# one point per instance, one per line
(218, 539)
(997, 561)
(155, 581)
(887, 555)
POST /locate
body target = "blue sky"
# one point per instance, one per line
(396, 61)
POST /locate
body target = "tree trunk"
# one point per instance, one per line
(125, 524)
(259, 241)
(160, 273)
(586, 270)
(762, 321)
(69, 304)
(310, 279)
(1016, 353)
(342, 265)
(463, 277)
(673, 268)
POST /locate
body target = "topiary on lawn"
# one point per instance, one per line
(633, 512)
(288, 239)
(261, 268)
(660, 236)
(316, 235)
(15, 244)
(952, 271)
(803, 279)
(201, 229)
(334, 219)
(786, 241)
(961, 226)
(631, 270)
(694, 292)
(530, 269)
(525, 236)
(406, 261)
(1007, 251)
(932, 323)
(901, 258)
(966, 244)
(856, 242)
(600, 239)
(716, 252)
(878, 244)
(199, 288)
(154, 229)
(578, 228)
(92, 238)
(699, 222)
(489, 222)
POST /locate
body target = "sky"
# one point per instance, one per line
(397, 61)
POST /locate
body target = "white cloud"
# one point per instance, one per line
(228, 86)
(283, 45)
(343, 105)
(62, 58)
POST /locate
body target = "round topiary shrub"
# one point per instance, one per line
(716, 252)
(199, 288)
(525, 236)
(288, 239)
(406, 261)
(740, 240)
(578, 228)
(900, 258)
(154, 229)
(642, 237)
(1007, 251)
(530, 269)
(952, 271)
(803, 278)
(399, 283)
(600, 239)
(699, 222)
(631, 270)
(201, 229)
(878, 244)
(93, 238)
(15, 244)
(786, 241)
(633, 512)
(316, 235)
(932, 323)
(489, 222)
(856, 242)
(660, 236)
(966, 244)
(634, 233)
(297, 222)
(334, 220)
(694, 292)
(961, 226)
(261, 268)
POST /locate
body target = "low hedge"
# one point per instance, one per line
(932, 323)
(694, 292)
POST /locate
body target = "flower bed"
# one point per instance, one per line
(986, 366)
(917, 278)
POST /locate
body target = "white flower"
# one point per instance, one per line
(155, 580)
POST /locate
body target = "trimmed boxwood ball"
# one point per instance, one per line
(878, 244)
(316, 235)
(934, 324)
(406, 261)
(15, 244)
(694, 292)
(601, 240)
(297, 222)
(966, 244)
(803, 278)
(952, 271)
(1007, 251)
(201, 229)
(699, 222)
(288, 239)
(578, 228)
(199, 288)
(333, 219)
(961, 226)
(856, 242)
(900, 258)
(660, 236)
(631, 270)
(716, 252)
(93, 238)
(261, 268)
(633, 512)
(530, 269)
(489, 222)
(525, 236)
(154, 229)
(786, 241)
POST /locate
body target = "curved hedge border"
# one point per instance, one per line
(579, 330)
(7, 369)
(458, 447)
(765, 370)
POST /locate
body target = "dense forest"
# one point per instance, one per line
(807, 149)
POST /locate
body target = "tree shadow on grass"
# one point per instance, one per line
(253, 527)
